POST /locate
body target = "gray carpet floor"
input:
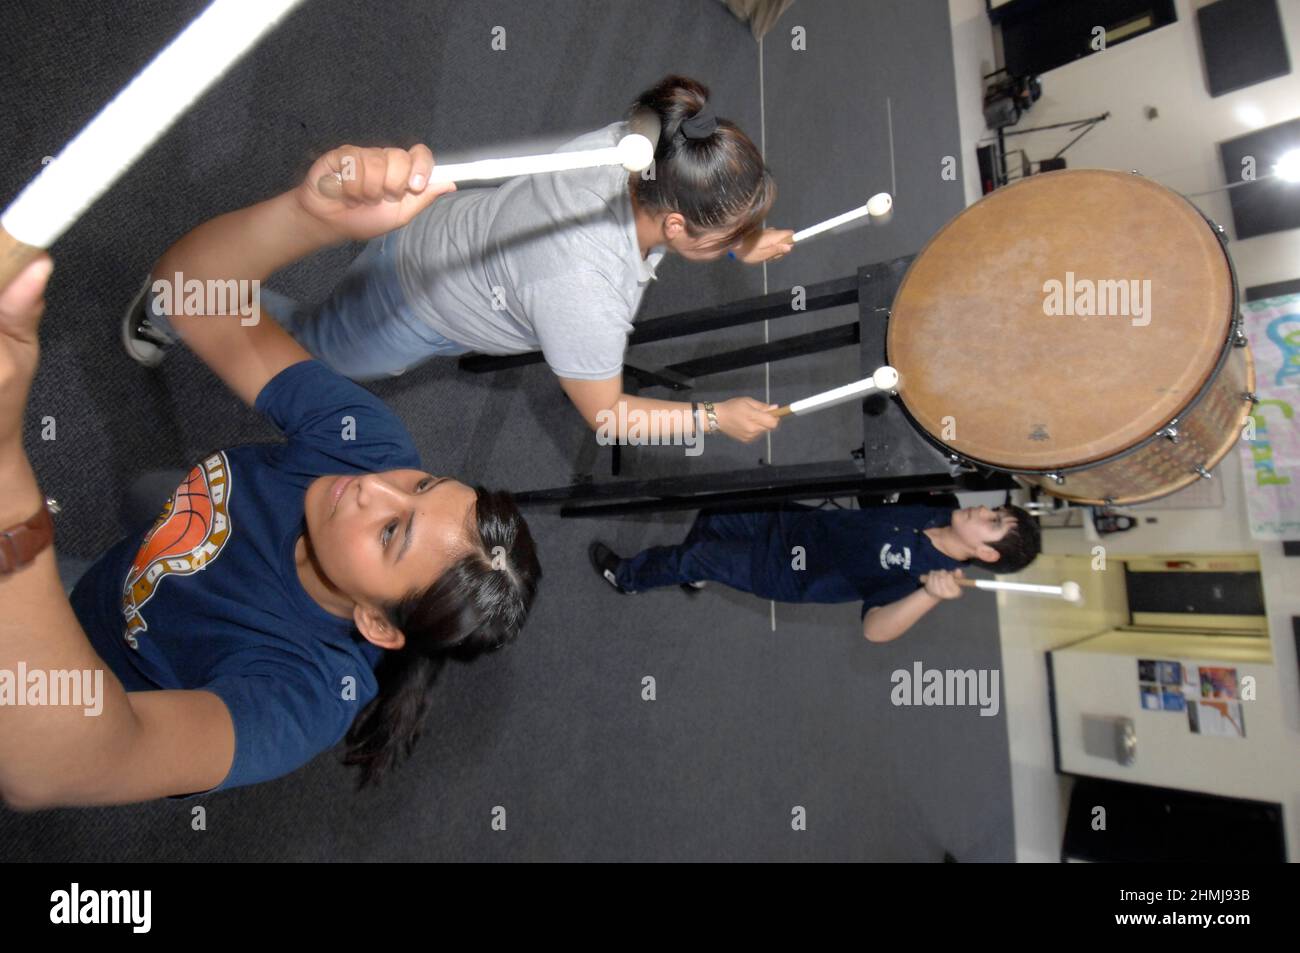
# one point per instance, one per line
(751, 719)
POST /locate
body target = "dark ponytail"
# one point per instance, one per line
(476, 606)
(718, 181)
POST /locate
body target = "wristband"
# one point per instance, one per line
(712, 415)
(21, 544)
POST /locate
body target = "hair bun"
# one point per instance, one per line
(701, 125)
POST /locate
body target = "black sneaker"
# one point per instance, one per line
(145, 343)
(605, 561)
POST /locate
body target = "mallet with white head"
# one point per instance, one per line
(878, 211)
(634, 152)
(884, 379)
(1068, 591)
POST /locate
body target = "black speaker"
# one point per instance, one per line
(1144, 823)
(1243, 44)
(1040, 35)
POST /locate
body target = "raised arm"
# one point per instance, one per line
(382, 189)
(114, 747)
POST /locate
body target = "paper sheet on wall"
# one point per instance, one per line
(1222, 719)
(1270, 463)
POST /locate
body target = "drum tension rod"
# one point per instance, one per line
(1170, 431)
(958, 464)
(1058, 476)
(1203, 473)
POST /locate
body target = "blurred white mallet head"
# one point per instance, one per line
(1071, 592)
(636, 152)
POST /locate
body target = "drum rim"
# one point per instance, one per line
(1234, 327)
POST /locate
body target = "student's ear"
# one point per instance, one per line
(374, 626)
(987, 554)
(674, 225)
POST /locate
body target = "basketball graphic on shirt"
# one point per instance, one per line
(184, 526)
(189, 533)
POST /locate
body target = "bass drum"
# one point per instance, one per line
(1078, 329)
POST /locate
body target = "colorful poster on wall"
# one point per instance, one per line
(1222, 719)
(1210, 694)
(1161, 686)
(1270, 463)
(1218, 682)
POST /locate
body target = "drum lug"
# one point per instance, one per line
(1203, 473)
(1170, 431)
(1057, 477)
(958, 464)
(1251, 396)
(1238, 335)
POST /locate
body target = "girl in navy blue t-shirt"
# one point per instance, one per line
(288, 595)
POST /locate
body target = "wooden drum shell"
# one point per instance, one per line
(1206, 434)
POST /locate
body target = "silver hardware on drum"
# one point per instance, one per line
(958, 465)
(1170, 431)
(1203, 473)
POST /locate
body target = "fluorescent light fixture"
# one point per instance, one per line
(1288, 166)
(1250, 116)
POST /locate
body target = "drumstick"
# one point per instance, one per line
(880, 207)
(102, 151)
(634, 152)
(885, 378)
(1069, 591)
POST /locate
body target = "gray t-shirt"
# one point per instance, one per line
(547, 262)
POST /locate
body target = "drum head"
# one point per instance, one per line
(1006, 335)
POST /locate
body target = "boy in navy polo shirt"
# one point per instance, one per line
(901, 561)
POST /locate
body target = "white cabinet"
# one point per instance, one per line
(1097, 684)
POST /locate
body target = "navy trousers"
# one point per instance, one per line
(721, 547)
